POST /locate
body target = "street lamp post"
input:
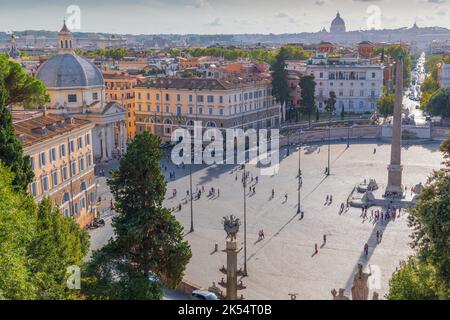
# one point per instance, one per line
(329, 140)
(288, 142)
(190, 194)
(348, 136)
(245, 223)
(299, 171)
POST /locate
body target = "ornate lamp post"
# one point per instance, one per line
(245, 223)
(190, 194)
(329, 141)
(299, 171)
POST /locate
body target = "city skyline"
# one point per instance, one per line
(222, 17)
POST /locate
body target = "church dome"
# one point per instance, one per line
(69, 71)
(338, 24)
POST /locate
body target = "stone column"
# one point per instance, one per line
(394, 186)
(119, 136)
(108, 142)
(103, 144)
(124, 136)
(232, 252)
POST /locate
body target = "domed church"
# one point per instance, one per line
(337, 25)
(76, 87)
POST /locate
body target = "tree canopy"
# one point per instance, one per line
(149, 240)
(261, 55)
(37, 245)
(308, 104)
(21, 88)
(58, 244)
(330, 103)
(439, 103)
(426, 275)
(385, 105)
(280, 86)
(17, 225)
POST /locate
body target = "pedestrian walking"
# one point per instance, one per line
(366, 249)
(316, 250)
(378, 236)
(285, 197)
(324, 239)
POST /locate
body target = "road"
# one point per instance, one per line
(418, 76)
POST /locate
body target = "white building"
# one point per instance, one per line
(356, 83)
(444, 75)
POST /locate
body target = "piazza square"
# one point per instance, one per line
(283, 262)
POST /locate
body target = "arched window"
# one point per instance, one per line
(62, 44)
(83, 186)
(66, 197)
(211, 124)
(70, 43)
(67, 45)
(167, 121)
(190, 123)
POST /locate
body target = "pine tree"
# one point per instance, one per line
(280, 86)
(11, 152)
(308, 86)
(149, 240)
(59, 243)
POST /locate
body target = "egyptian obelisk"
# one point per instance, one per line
(394, 186)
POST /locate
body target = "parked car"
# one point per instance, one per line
(203, 295)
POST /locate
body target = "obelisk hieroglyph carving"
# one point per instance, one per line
(394, 186)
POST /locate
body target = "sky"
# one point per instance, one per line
(221, 16)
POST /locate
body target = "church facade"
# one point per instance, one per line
(76, 87)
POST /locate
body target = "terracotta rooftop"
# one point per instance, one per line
(38, 129)
(21, 115)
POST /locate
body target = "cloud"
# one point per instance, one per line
(215, 23)
(436, 1)
(282, 15)
(202, 4)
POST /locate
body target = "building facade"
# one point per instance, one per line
(356, 83)
(61, 154)
(444, 75)
(76, 87)
(119, 88)
(165, 104)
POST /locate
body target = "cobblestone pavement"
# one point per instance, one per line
(284, 262)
